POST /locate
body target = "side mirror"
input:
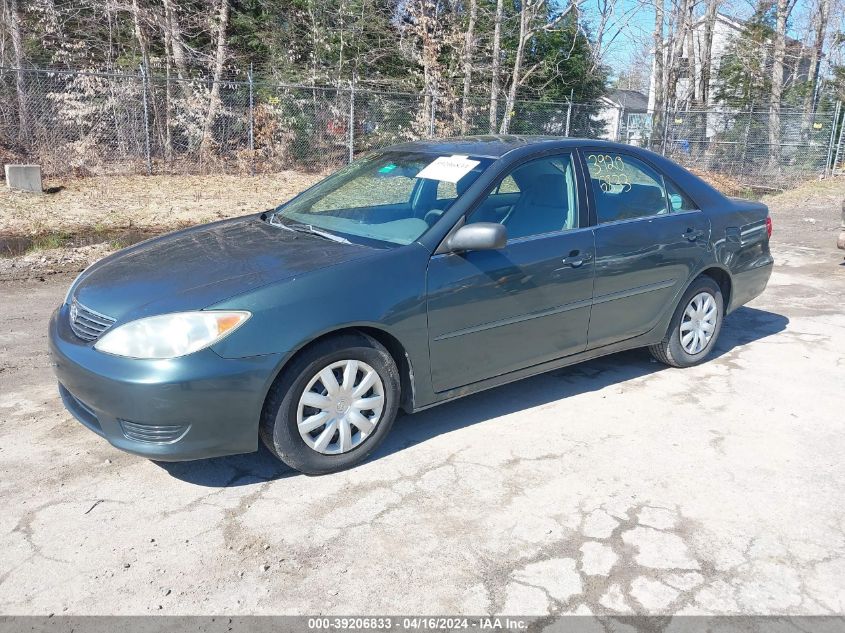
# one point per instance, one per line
(481, 236)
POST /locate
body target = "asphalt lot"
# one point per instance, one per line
(615, 486)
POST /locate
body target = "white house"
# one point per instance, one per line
(624, 114)
(725, 30)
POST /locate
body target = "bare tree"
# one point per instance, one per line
(613, 21)
(526, 13)
(496, 65)
(820, 23)
(692, 82)
(658, 78)
(219, 61)
(431, 44)
(782, 10)
(173, 39)
(140, 36)
(528, 27)
(17, 50)
(469, 45)
(706, 50)
(675, 47)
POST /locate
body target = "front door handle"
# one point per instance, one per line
(693, 234)
(576, 259)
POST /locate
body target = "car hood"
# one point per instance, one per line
(200, 266)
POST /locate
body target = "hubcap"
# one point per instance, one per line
(340, 407)
(699, 323)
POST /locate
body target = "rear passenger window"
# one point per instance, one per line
(625, 188)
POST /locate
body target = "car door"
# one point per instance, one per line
(649, 238)
(495, 311)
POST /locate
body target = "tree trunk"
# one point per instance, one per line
(173, 33)
(657, 80)
(677, 52)
(820, 25)
(168, 48)
(706, 51)
(692, 80)
(469, 45)
(782, 13)
(494, 80)
(140, 37)
(524, 17)
(20, 88)
(429, 56)
(143, 44)
(214, 101)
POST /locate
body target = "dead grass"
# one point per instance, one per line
(153, 204)
(728, 185)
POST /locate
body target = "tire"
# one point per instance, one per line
(677, 353)
(284, 408)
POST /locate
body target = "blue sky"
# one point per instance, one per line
(638, 28)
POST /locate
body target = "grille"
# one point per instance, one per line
(152, 433)
(86, 323)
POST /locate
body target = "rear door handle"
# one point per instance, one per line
(576, 259)
(693, 234)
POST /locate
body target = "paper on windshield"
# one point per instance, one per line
(448, 168)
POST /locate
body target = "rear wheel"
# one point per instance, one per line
(333, 406)
(695, 326)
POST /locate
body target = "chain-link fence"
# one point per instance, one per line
(741, 143)
(93, 123)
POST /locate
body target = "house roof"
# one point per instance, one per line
(631, 100)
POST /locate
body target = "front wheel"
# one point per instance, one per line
(695, 326)
(333, 406)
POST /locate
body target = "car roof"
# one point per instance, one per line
(497, 145)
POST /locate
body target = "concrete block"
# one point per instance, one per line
(24, 177)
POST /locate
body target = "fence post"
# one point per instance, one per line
(251, 123)
(828, 166)
(619, 124)
(146, 121)
(351, 125)
(433, 114)
(838, 143)
(569, 110)
(665, 129)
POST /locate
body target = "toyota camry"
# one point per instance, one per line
(413, 276)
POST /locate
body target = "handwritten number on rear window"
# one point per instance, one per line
(610, 171)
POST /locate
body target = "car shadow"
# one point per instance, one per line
(742, 327)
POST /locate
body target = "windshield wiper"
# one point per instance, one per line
(306, 228)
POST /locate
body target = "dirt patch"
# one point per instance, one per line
(810, 214)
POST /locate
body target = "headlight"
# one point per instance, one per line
(170, 335)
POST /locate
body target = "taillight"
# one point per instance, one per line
(768, 226)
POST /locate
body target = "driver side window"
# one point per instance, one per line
(537, 197)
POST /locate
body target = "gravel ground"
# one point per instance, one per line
(615, 486)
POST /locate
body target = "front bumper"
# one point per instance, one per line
(193, 407)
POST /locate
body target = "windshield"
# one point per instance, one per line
(391, 197)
